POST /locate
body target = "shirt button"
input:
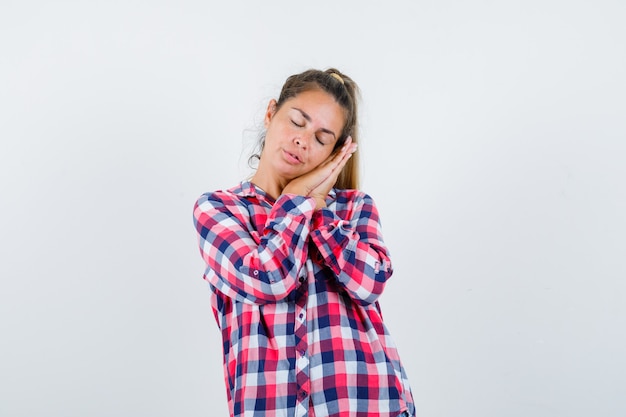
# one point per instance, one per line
(301, 315)
(301, 352)
(302, 393)
(255, 272)
(301, 279)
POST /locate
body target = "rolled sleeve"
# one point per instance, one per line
(351, 244)
(240, 263)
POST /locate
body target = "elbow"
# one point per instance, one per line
(366, 295)
(369, 288)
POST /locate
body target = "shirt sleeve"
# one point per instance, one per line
(246, 265)
(353, 248)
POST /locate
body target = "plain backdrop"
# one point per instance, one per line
(493, 141)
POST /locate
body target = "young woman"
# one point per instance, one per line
(296, 263)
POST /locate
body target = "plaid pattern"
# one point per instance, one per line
(294, 293)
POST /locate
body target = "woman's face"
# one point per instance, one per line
(302, 133)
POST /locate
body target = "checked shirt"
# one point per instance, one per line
(294, 293)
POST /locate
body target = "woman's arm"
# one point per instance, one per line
(249, 266)
(353, 247)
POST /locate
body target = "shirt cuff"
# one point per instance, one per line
(325, 217)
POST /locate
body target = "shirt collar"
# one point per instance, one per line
(247, 189)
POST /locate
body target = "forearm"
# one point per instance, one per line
(257, 267)
(354, 250)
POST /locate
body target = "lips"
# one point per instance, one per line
(292, 157)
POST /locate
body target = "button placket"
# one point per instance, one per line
(300, 349)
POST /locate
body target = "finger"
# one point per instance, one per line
(330, 180)
(342, 163)
(335, 155)
(329, 170)
(347, 151)
(339, 157)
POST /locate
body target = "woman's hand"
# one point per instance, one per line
(317, 183)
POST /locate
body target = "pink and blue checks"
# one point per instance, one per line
(294, 293)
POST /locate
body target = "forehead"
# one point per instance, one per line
(320, 106)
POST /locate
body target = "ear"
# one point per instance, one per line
(270, 112)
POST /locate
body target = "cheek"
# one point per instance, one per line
(282, 133)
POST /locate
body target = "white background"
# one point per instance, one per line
(494, 143)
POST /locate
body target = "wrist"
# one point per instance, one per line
(320, 203)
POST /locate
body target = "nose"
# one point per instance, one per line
(301, 142)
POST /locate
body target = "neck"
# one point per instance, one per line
(272, 185)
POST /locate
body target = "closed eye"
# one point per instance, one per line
(298, 123)
(308, 119)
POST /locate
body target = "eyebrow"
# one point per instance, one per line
(308, 118)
